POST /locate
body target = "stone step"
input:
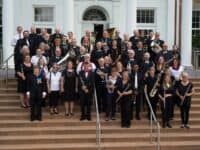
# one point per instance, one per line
(183, 145)
(76, 130)
(76, 122)
(91, 138)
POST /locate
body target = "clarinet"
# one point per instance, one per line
(82, 82)
(189, 86)
(125, 90)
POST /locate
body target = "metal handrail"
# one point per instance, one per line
(6, 68)
(153, 118)
(98, 125)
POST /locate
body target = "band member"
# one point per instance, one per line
(81, 66)
(35, 58)
(176, 69)
(111, 85)
(160, 66)
(146, 64)
(36, 91)
(100, 81)
(53, 87)
(97, 53)
(130, 60)
(86, 88)
(135, 38)
(139, 52)
(165, 53)
(25, 41)
(151, 85)
(185, 91)
(24, 71)
(125, 94)
(56, 58)
(137, 83)
(106, 41)
(69, 85)
(166, 93)
(118, 39)
(114, 52)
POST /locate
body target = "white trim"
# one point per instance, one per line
(42, 22)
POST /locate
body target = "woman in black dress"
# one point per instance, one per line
(69, 87)
(166, 93)
(184, 91)
(125, 93)
(24, 71)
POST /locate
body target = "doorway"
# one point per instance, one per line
(98, 30)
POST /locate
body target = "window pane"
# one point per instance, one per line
(44, 14)
(145, 16)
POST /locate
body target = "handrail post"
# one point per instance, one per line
(151, 127)
(158, 136)
(6, 74)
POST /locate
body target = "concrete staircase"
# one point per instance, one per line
(60, 133)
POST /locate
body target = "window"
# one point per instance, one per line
(94, 15)
(44, 14)
(145, 31)
(146, 16)
(49, 30)
(196, 23)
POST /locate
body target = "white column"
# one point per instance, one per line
(8, 29)
(170, 23)
(131, 15)
(68, 22)
(186, 37)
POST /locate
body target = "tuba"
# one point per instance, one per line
(155, 47)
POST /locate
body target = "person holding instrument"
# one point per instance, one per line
(166, 94)
(125, 92)
(184, 91)
(86, 88)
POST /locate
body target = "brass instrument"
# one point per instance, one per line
(154, 90)
(155, 47)
(111, 32)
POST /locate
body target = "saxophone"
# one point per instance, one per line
(154, 90)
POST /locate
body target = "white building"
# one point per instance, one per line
(172, 18)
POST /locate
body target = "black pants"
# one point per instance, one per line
(185, 110)
(111, 104)
(36, 108)
(101, 97)
(85, 102)
(166, 110)
(53, 99)
(153, 102)
(125, 112)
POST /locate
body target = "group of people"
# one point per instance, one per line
(125, 72)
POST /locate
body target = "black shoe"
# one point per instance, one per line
(56, 111)
(82, 118)
(169, 125)
(138, 117)
(72, 114)
(32, 120)
(113, 118)
(107, 119)
(182, 126)
(187, 126)
(89, 118)
(163, 125)
(66, 114)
